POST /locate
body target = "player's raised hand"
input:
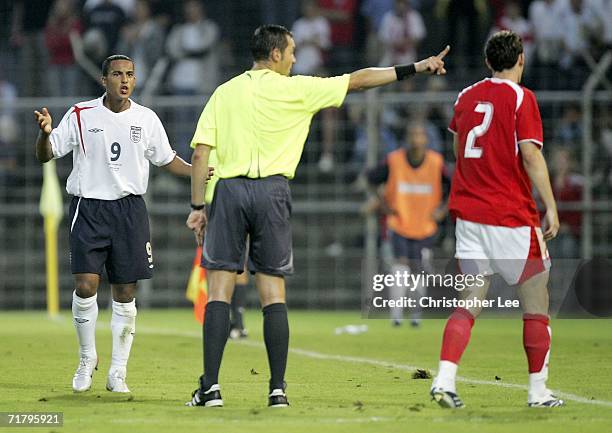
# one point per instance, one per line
(551, 221)
(43, 118)
(433, 64)
(196, 221)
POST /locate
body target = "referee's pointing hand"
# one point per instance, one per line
(433, 64)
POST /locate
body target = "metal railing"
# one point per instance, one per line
(331, 238)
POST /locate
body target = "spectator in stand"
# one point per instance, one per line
(463, 18)
(106, 19)
(606, 14)
(9, 169)
(580, 23)
(63, 73)
(311, 34)
(543, 18)
(280, 12)
(602, 177)
(192, 46)
(373, 12)
(341, 15)
(27, 36)
(512, 19)
(127, 6)
(567, 189)
(569, 132)
(387, 137)
(400, 33)
(143, 40)
(8, 97)
(439, 114)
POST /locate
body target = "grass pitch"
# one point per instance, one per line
(337, 383)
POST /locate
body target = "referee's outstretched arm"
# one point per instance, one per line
(369, 78)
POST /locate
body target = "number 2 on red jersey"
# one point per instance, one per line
(471, 151)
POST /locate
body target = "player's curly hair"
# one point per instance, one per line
(503, 49)
(266, 38)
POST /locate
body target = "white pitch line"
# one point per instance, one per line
(378, 363)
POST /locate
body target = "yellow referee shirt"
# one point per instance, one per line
(258, 121)
(212, 183)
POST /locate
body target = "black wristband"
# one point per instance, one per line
(198, 206)
(405, 71)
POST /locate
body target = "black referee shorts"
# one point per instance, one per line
(259, 208)
(111, 234)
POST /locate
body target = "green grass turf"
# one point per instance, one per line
(38, 357)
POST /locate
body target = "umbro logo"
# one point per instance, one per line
(79, 320)
(95, 130)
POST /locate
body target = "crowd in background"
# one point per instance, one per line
(54, 48)
(207, 41)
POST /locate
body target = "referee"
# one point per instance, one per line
(257, 123)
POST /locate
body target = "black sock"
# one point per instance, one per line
(238, 307)
(276, 336)
(216, 332)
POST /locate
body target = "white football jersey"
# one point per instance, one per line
(110, 151)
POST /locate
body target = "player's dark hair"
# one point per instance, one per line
(503, 49)
(107, 62)
(266, 38)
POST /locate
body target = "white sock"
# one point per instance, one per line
(85, 315)
(123, 327)
(537, 381)
(447, 371)
(537, 385)
(397, 292)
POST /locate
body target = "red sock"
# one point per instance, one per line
(536, 340)
(456, 335)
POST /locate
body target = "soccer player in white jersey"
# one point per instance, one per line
(112, 140)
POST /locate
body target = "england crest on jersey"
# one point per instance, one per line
(135, 133)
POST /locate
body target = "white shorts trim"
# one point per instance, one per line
(76, 214)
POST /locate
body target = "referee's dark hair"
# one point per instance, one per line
(503, 49)
(109, 59)
(266, 38)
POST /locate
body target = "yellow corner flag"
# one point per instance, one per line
(51, 208)
(197, 288)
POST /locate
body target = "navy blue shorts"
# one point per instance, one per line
(259, 209)
(111, 234)
(416, 251)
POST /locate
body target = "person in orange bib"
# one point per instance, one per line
(414, 179)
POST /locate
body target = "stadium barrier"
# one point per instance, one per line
(331, 236)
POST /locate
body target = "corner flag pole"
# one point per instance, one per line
(51, 209)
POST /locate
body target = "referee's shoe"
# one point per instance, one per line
(278, 397)
(210, 397)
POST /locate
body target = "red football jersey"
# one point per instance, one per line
(490, 184)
